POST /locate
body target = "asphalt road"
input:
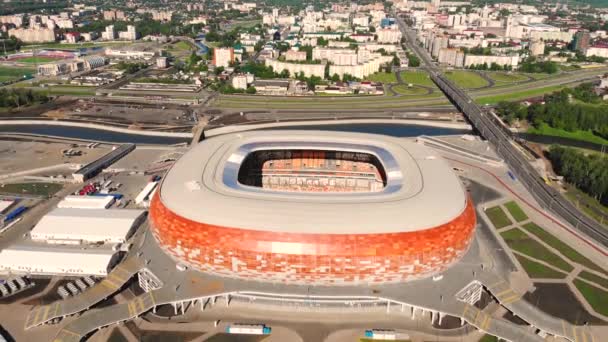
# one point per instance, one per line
(549, 198)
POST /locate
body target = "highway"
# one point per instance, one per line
(502, 139)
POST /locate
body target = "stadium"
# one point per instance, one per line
(313, 207)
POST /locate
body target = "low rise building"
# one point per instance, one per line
(597, 50)
(69, 66)
(72, 37)
(56, 260)
(240, 81)
(278, 87)
(293, 55)
(95, 226)
(129, 54)
(162, 62)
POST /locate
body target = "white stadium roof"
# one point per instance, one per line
(422, 190)
(87, 225)
(55, 260)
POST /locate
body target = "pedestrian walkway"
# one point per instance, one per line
(501, 290)
(100, 291)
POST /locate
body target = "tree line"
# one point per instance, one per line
(589, 173)
(559, 111)
(15, 97)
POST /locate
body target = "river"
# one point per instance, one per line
(93, 134)
(391, 129)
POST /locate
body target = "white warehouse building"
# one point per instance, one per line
(86, 202)
(76, 226)
(53, 260)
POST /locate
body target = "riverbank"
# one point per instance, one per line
(33, 129)
(94, 126)
(378, 126)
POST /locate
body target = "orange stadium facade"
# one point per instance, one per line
(328, 259)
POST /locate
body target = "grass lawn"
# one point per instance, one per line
(11, 73)
(521, 242)
(569, 67)
(498, 217)
(373, 340)
(38, 189)
(517, 95)
(596, 297)
(488, 338)
(38, 59)
(466, 79)
(538, 270)
(560, 246)
(405, 90)
(594, 278)
(505, 77)
(588, 204)
(383, 77)
(516, 211)
(545, 129)
(182, 46)
(69, 90)
(417, 78)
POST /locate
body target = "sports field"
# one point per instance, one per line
(12, 73)
(38, 60)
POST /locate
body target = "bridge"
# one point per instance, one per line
(502, 139)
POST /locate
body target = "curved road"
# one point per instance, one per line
(503, 141)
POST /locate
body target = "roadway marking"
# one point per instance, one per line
(584, 335)
(56, 309)
(464, 313)
(476, 316)
(154, 301)
(37, 314)
(130, 309)
(64, 330)
(592, 337)
(574, 333)
(111, 282)
(509, 300)
(496, 284)
(137, 304)
(486, 322)
(106, 283)
(564, 328)
(46, 312)
(500, 294)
